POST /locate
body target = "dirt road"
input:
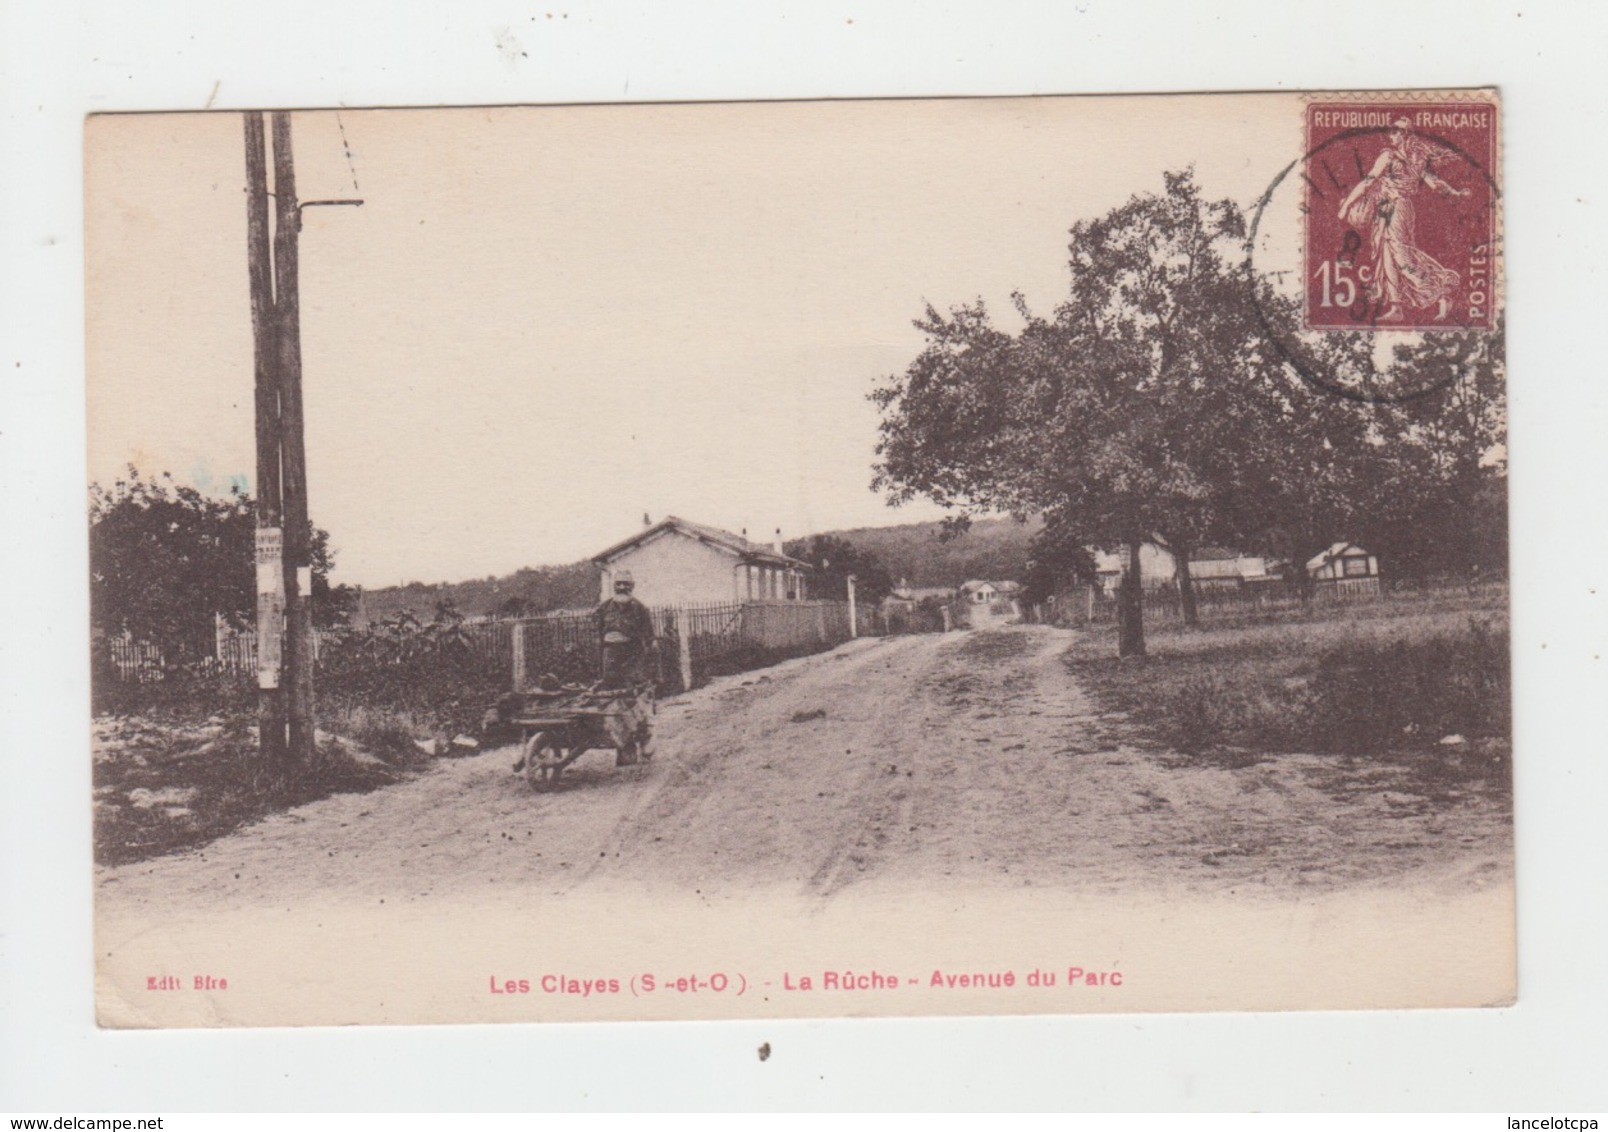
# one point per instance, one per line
(923, 760)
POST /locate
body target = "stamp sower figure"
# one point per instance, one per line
(1381, 204)
(626, 628)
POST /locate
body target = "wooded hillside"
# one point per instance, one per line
(993, 549)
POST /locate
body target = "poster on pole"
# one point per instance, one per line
(902, 557)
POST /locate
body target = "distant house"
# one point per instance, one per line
(677, 562)
(1344, 561)
(905, 597)
(1210, 568)
(978, 593)
(1215, 569)
(988, 603)
(929, 607)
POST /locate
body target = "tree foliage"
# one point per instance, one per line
(1057, 560)
(834, 560)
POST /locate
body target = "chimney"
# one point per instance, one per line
(646, 522)
(778, 543)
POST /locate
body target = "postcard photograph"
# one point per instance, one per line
(728, 560)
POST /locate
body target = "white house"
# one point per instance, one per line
(978, 593)
(1215, 569)
(1342, 561)
(676, 562)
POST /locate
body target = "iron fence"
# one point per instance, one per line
(719, 638)
(1093, 605)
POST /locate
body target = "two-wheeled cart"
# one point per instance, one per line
(559, 726)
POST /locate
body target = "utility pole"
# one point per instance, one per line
(271, 713)
(298, 562)
(284, 533)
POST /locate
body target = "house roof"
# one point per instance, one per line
(974, 585)
(1246, 566)
(917, 593)
(1332, 553)
(1207, 562)
(1115, 561)
(1215, 568)
(732, 544)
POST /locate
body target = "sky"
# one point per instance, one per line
(544, 323)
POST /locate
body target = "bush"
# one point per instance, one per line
(403, 677)
(1342, 687)
(200, 689)
(1365, 695)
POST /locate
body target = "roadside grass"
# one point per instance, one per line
(1387, 681)
(163, 783)
(177, 764)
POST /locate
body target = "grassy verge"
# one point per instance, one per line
(166, 782)
(1382, 680)
(176, 760)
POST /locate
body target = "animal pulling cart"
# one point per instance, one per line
(560, 725)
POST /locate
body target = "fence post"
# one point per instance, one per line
(684, 646)
(854, 619)
(519, 656)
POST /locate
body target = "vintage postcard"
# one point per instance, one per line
(956, 556)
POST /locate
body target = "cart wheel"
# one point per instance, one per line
(544, 761)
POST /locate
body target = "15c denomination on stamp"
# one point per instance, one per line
(1399, 215)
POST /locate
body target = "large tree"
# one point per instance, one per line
(1398, 447)
(1106, 417)
(1172, 398)
(1444, 505)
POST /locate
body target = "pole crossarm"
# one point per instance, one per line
(302, 206)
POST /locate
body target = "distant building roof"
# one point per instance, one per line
(1335, 551)
(710, 536)
(1247, 566)
(974, 585)
(919, 593)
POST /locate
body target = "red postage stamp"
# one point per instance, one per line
(1399, 218)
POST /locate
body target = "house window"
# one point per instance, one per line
(1355, 567)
